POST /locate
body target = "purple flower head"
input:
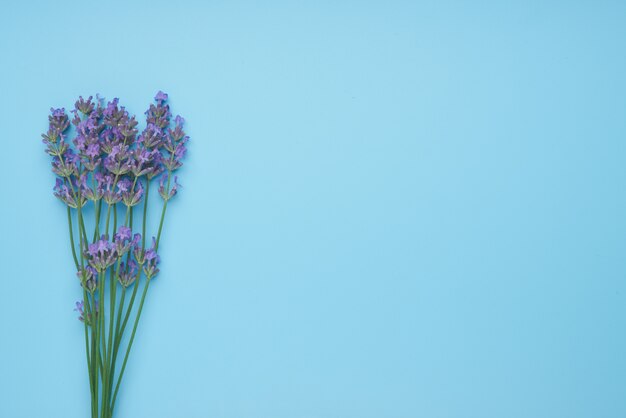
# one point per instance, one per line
(157, 168)
(151, 137)
(177, 133)
(112, 113)
(145, 161)
(109, 194)
(89, 125)
(137, 250)
(164, 184)
(93, 150)
(91, 158)
(160, 97)
(131, 192)
(87, 141)
(159, 114)
(83, 316)
(124, 185)
(151, 253)
(88, 278)
(55, 145)
(118, 160)
(127, 273)
(175, 160)
(128, 129)
(122, 240)
(174, 144)
(108, 140)
(123, 233)
(151, 261)
(120, 127)
(63, 193)
(65, 165)
(89, 192)
(80, 309)
(102, 254)
(58, 121)
(84, 106)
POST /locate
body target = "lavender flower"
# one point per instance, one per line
(151, 260)
(145, 161)
(58, 121)
(164, 184)
(102, 254)
(127, 273)
(120, 127)
(174, 162)
(118, 161)
(132, 192)
(87, 139)
(128, 129)
(138, 251)
(84, 106)
(63, 193)
(177, 133)
(65, 164)
(108, 140)
(123, 233)
(174, 144)
(122, 240)
(93, 193)
(79, 308)
(160, 97)
(109, 194)
(83, 317)
(159, 114)
(88, 278)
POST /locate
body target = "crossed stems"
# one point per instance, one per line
(102, 356)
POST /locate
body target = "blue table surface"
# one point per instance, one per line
(388, 210)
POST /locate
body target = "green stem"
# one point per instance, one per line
(96, 344)
(69, 222)
(116, 336)
(143, 296)
(106, 230)
(130, 343)
(130, 307)
(161, 225)
(102, 341)
(96, 229)
(92, 360)
(145, 216)
(167, 189)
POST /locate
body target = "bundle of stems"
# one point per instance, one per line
(112, 169)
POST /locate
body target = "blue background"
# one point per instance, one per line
(392, 209)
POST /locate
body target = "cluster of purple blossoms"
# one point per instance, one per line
(150, 261)
(82, 316)
(109, 161)
(127, 273)
(103, 253)
(88, 277)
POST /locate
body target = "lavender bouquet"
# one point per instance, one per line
(101, 179)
